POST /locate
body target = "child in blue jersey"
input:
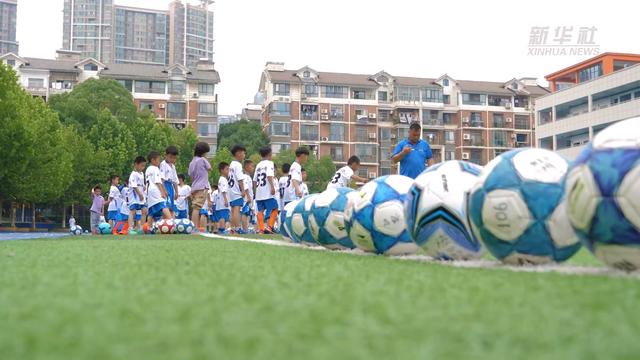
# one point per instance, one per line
(170, 177)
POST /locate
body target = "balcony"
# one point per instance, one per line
(433, 122)
(370, 119)
(310, 136)
(366, 137)
(310, 116)
(371, 159)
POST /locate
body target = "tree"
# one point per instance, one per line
(319, 173)
(223, 154)
(112, 137)
(247, 133)
(186, 140)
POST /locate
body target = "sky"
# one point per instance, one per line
(469, 40)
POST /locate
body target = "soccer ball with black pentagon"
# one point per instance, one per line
(299, 229)
(377, 224)
(328, 216)
(436, 211)
(76, 230)
(603, 191)
(518, 208)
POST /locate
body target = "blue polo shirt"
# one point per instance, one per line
(413, 163)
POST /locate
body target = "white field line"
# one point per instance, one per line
(472, 264)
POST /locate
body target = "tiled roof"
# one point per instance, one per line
(49, 64)
(153, 72)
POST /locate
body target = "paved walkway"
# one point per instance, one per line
(29, 236)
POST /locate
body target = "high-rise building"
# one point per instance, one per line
(88, 28)
(141, 36)
(8, 21)
(191, 32)
(341, 115)
(587, 97)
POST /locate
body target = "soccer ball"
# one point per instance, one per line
(285, 222)
(76, 230)
(327, 218)
(183, 226)
(153, 230)
(518, 208)
(166, 226)
(299, 220)
(436, 211)
(603, 191)
(104, 228)
(377, 223)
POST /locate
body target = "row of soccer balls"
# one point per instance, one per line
(527, 206)
(169, 226)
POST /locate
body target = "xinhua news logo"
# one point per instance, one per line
(563, 41)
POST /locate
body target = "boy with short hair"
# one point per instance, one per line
(97, 208)
(294, 189)
(199, 172)
(266, 192)
(170, 177)
(283, 184)
(247, 207)
(113, 200)
(237, 187)
(156, 193)
(122, 226)
(137, 199)
(303, 187)
(344, 175)
(213, 220)
(222, 204)
(182, 203)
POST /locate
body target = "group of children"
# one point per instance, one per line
(245, 193)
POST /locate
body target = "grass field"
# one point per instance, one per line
(191, 298)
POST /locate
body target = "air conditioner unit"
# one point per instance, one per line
(162, 106)
(324, 111)
(372, 135)
(507, 105)
(282, 98)
(324, 139)
(509, 120)
(195, 95)
(466, 136)
(324, 117)
(372, 175)
(465, 119)
(465, 156)
(373, 116)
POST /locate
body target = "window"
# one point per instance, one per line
(150, 87)
(281, 89)
(309, 132)
(500, 138)
(309, 112)
(176, 110)
(337, 112)
(514, 85)
(384, 115)
(146, 105)
(474, 99)
(476, 119)
(362, 115)
(449, 155)
(521, 101)
(497, 100)
(336, 132)
(280, 108)
(367, 153)
(206, 89)
(619, 64)
(522, 122)
(498, 121)
(403, 133)
(385, 171)
(447, 118)
(432, 95)
(450, 136)
(207, 109)
(590, 73)
(361, 94)
(445, 82)
(276, 148)
(544, 116)
(127, 84)
(306, 74)
(205, 129)
(404, 93)
(310, 90)
(385, 134)
(337, 153)
(91, 67)
(35, 83)
(383, 96)
(11, 62)
(177, 87)
(446, 99)
(362, 134)
(336, 92)
(280, 129)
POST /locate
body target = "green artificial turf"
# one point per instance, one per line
(194, 298)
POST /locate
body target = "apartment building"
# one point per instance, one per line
(587, 97)
(8, 23)
(175, 94)
(340, 115)
(110, 33)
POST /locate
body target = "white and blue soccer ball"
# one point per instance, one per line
(183, 226)
(328, 216)
(76, 230)
(285, 220)
(518, 208)
(104, 228)
(603, 191)
(436, 212)
(377, 224)
(299, 229)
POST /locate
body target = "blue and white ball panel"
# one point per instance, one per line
(327, 219)
(300, 218)
(287, 214)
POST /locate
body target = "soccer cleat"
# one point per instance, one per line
(241, 232)
(268, 231)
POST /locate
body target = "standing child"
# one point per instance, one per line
(113, 207)
(137, 199)
(204, 212)
(247, 207)
(122, 227)
(283, 184)
(156, 194)
(170, 177)
(184, 193)
(266, 193)
(236, 187)
(303, 187)
(294, 189)
(213, 220)
(222, 204)
(342, 178)
(97, 208)
(199, 172)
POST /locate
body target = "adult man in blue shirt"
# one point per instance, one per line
(413, 153)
